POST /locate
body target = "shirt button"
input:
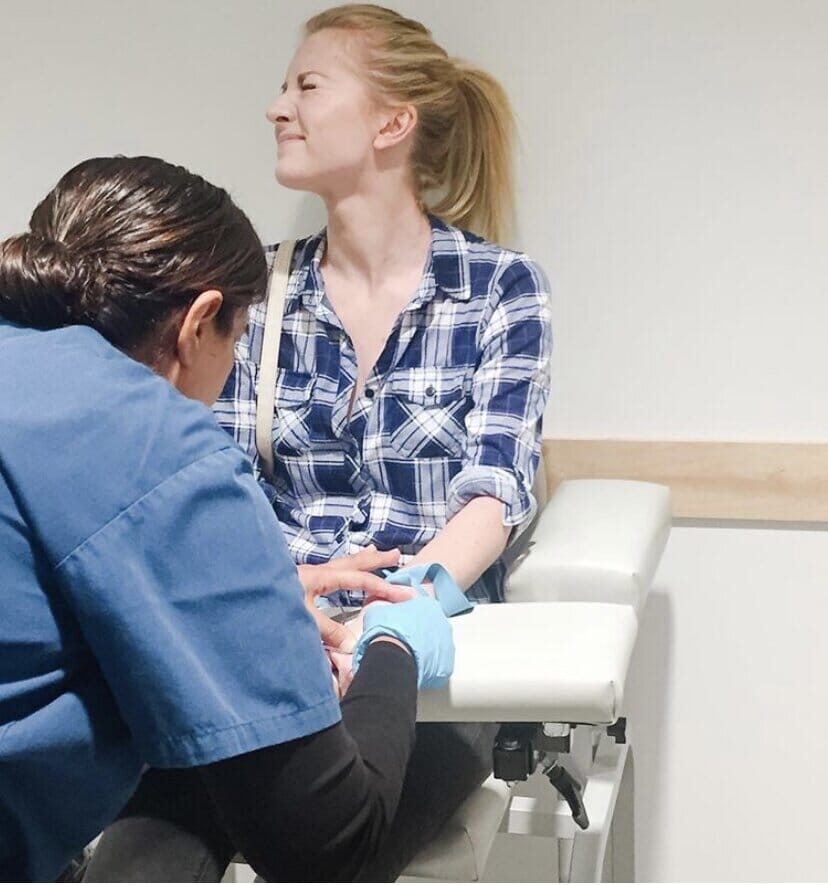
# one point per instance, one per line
(430, 391)
(369, 392)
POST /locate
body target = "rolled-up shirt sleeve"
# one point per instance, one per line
(510, 390)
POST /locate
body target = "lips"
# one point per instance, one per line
(289, 136)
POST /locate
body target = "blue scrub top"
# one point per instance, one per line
(149, 610)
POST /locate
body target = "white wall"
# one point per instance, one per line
(673, 183)
(185, 80)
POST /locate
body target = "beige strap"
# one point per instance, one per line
(266, 390)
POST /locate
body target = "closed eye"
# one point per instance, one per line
(302, 81)
(305, 82)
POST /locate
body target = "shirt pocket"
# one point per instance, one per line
(292, 408)
(425, 410)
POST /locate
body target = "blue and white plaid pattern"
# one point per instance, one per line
(451, 411)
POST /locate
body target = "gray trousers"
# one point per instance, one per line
(169, 830)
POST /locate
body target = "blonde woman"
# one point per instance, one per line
(413, 365)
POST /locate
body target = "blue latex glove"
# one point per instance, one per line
(419, 624)
(452, 599)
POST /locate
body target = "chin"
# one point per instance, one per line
(296, 179)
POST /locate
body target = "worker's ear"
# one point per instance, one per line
(194, 337)
(198, 327)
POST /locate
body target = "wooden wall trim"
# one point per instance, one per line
(786, 482)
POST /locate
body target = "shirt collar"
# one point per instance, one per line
(447, 268)
(450, 260)
(309, 288)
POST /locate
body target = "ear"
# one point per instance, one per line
(197, 326)
(397, 127)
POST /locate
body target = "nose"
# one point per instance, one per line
(280, 110)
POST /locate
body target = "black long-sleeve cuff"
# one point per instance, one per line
(317, 808)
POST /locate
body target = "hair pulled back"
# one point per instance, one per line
(464, 140)
(123, 243)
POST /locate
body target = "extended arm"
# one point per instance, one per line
(491, 495)
(471, 541)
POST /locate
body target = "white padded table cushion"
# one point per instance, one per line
(536, 662)
(597, 540)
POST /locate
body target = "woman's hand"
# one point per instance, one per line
(348, 573)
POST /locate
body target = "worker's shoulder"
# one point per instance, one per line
(73, 379)
(82, 423)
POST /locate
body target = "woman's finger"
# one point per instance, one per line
(334, 635)
(349, 579)
(334, 676)
(370, 559)
(343, 664)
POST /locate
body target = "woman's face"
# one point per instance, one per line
(326, 118)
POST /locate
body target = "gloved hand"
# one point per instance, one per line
(419, 624)
(452, 599)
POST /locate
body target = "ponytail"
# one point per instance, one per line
(478, 182)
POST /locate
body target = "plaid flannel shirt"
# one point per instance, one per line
(451, 411)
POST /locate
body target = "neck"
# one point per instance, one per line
(373, 235)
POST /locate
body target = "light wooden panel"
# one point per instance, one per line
(785, 482)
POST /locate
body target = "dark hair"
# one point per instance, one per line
(123, 243)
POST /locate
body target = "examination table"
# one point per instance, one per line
(551, 666)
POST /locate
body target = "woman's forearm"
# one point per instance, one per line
(470, 542)
(467, 546)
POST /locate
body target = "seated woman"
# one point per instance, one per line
(413, 368)
(151, 612)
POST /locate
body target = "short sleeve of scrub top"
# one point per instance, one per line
(194, 612)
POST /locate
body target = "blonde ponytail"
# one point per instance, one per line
(464, 142)
(478, 180)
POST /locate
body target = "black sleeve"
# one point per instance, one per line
(317, 808)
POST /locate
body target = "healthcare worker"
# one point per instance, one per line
(151, 613)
